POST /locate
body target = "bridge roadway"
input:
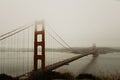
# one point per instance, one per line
(66, 61)
(57, 64)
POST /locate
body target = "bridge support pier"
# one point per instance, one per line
(37, 44)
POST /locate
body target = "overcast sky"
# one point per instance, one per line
(78, 22)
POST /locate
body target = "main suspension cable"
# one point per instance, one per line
(11, 33)
(60, 38)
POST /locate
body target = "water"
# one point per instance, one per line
(17, 64)
(103, 64)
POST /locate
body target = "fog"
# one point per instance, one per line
(78, 22)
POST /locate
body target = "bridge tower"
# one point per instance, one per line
(39, 43)
(94, 50)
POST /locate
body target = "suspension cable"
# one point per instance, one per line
(57, 40)
(11, 33)
(60, 37)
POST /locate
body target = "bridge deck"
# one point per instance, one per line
(66, 61)
(58, 64)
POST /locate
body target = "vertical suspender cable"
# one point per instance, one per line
(28, 52)
(23, 39)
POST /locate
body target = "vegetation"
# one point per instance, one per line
(64, 76)
(68, 76)
(50, 75)
(7, 77)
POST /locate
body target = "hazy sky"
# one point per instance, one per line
(79, 22)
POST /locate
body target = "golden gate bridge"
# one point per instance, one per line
(26, 47)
